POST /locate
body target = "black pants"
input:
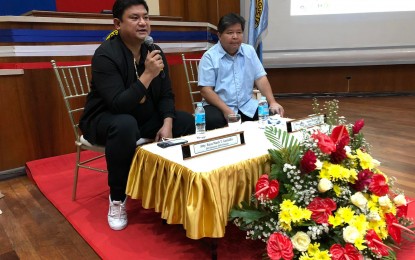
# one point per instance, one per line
(119, 133)
(215, 119)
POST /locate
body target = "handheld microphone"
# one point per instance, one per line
(149, 42)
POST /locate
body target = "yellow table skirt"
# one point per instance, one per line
(201, 201)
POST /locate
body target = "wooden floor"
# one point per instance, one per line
(31, 228)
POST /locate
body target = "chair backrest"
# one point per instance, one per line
(74, 84)
(191, 68)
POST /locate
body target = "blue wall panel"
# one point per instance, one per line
(18, 7)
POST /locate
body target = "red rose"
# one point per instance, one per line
(364, 178)
(321, 209)
(279, 246)
(375, 244)
(340, 134)
(358, 125)
(393, 230)
(378, 186)
(324, 142)
(308, 162)
(338, 155)
(349, 252)
(269, 189)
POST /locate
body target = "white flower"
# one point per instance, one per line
(400, 200)
(324, 185)
(319, 164)
(348, 150)
(301, 241)
(385, 202)
(359, 200)
(350, 234)
(376, 163)
(373, 216)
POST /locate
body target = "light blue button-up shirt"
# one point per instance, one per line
(232, 77)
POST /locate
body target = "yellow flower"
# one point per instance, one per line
(337, 189)
(305, 256)
(366, 161)
(322, 255)
(296, 214)
(335, 221)
(284, 216)
(372, 205)
(325, 171)
(360, 222)
(285, 226)
(374, 198)
(345, 213)
(287, 204)
(335, 172)
(383, 232)
(306, 214)
(359, 243)
(353, 175)
(313, 248)
(377, 225)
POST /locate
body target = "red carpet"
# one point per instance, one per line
(145, 237)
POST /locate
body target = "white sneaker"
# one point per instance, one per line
(117, 215)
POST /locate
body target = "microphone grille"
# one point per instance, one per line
(148, 40)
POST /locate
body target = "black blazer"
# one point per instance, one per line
(115, 88)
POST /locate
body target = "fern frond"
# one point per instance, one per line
(280, 138)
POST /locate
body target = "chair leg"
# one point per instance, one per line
(75, 179)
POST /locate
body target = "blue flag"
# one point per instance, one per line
(258, 23)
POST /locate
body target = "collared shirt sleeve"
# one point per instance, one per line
(207, 71)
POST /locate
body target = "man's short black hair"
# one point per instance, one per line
(120, 5)
(229, 20)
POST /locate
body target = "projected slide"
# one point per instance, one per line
(320, 7)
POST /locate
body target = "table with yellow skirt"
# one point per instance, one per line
(199, 192)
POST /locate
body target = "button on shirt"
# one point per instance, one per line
(232, 77)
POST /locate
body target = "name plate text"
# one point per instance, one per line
(303, 123)
(214, 144)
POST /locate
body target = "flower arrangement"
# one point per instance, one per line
(325, 198)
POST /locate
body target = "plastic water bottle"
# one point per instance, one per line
(263, 112)
(200, 121)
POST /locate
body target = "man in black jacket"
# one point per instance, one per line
(130, 98)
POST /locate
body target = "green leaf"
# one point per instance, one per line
(277, 158)
(248, 216)
(280, 138)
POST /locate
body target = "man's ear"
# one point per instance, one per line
(117, 23)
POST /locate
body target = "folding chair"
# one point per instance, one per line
(191, 68)
(74, 84)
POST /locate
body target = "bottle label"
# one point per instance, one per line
(263, 110)
(200, 118)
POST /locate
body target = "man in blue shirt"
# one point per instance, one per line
(227, 74)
